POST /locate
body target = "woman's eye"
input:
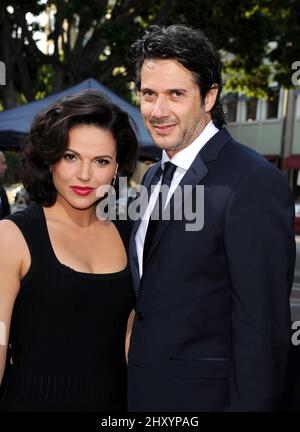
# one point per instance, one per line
(69, 156)
(102, 162)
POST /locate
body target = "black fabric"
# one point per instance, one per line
(67, 332)
(167, 176)
(212, 329)
(4, 204)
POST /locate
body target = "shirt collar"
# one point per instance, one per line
(185, 157)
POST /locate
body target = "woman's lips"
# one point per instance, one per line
(82, 191)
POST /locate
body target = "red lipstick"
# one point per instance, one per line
(82, 190)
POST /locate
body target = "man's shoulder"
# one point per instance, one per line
(242, 156)
(237, 161)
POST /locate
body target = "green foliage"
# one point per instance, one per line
(258, 41)
(44, 81)
(262, 36)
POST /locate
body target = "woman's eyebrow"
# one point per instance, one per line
(95, 157)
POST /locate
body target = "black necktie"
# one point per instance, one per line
(168, 172)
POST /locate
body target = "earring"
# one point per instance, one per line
(114, 181)
(50, 169)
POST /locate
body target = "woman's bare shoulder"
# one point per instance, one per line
(11, 241)
(9, 230)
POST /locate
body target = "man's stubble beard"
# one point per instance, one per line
(183, 141)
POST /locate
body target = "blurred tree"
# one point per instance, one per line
(84, 39)
(258, 41)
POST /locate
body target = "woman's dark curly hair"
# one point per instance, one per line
(49, 135)
(190, 48)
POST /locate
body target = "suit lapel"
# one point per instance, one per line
(151, 178)
(192, 177)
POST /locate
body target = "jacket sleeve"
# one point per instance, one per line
(260, 249)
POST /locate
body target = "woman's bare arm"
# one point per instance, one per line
(128, 333)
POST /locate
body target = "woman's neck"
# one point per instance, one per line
(80, 218)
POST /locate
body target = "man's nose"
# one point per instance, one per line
(160, 108)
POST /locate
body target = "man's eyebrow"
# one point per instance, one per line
(172, 90)
(143, 89)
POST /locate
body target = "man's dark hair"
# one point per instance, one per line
(48, 139)
(190, 48)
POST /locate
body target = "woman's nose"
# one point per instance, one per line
(84, 171)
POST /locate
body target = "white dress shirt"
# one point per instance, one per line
(183, 160)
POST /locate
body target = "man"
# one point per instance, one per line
(212, 324)
(4, 204)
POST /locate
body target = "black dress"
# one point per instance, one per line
(67, 332)
(4, 204)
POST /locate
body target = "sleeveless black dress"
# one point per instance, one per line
(67, 332)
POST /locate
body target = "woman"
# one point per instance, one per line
(65, 287)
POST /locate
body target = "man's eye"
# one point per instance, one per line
(69, 156)
(177, 93)
(147, 93)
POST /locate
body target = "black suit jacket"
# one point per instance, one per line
(4, 204)
(212, 331)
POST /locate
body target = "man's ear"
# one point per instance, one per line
(211, 97)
